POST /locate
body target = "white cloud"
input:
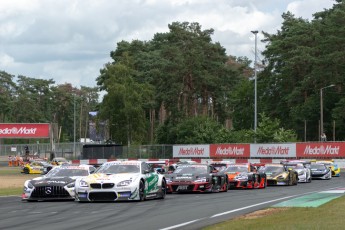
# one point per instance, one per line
(70, 40)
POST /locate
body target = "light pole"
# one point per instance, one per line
(255, 32)
(74, 128)
(321, 108)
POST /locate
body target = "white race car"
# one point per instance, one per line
(121, 180)
(304, 173)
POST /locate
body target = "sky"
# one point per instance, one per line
(69, 41)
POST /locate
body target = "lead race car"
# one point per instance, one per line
(57, 184)
(121, 180)
(302, 168)
(278, 174)
(196, 178)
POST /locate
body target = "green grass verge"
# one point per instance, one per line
(8, 171)
(327, 216)
(11, 191)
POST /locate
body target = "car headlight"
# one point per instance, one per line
(83, 183)
(201, 179)
(28, 185)
(124, 183)
(70, 185)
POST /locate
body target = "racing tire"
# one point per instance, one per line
(26, 170)
(164, 190)
(141, 191)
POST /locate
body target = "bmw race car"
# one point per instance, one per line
(278, 174)
(37, 167)
(57, 184)
(245, 176)
(121, 180)
(334, 167)
(196, 178)
(320, 171)
(304, 172)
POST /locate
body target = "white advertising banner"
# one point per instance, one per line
(277, 150)
(191, 151)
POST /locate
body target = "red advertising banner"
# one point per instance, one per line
(230, 150)
(321, 149)
(22, 130)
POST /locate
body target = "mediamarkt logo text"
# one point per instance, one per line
(329, 150)
(21, 130)
(273, 151)
(230, 151)
(191, 151)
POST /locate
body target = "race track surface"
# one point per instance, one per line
(177, 211)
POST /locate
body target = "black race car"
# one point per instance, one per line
(196, 178)
(57, 184)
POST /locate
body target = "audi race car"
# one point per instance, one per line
(245, 176)
(37, 167)
(278, 174)
(304, 173)
(320, 171)
(196, 178)
(57, 184)
(121, 180)
(334, 167)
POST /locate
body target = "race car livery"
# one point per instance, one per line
(121, 180)
(57, 184)
(320, 171)
(36, 167)
(196, 178)
(245, 176)
(304, 172)
(334, 167)
(278, 174)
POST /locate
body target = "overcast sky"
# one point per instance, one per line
(69, 41)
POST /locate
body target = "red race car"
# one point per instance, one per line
(196, 178)
(245, 175)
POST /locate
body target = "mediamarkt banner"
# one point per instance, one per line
(19, 130)
(230, 150)
(273, 150)
(191, 151)
(321, 149)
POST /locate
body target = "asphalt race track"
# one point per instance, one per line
(177, 211)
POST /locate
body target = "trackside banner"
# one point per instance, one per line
(321, 149)
(273, 150)
(191, 151)
(19, 130)
(230, 150)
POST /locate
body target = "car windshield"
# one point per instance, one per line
(67, 172)
(295, 166)
(236, 168)
(272, 169)
(317, 167)
(119, 168)
(191, 169)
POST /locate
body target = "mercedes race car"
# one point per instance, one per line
(196, 178)
(57, 184)
(245, 176)
(121, 180)
(278, 174)
(320, 171)
(334, 167)
(304, 172)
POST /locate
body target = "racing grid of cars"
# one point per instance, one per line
(139, 180)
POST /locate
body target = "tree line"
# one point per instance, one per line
(180, 87)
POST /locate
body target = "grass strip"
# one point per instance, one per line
(329, 215)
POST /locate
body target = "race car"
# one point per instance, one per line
(60, 161)
(57, 184)
(278, 174)
(37, 167)
(121, 180)
(220, 165)
(196, 178)
(320, 171)
(304, 172)
(334, 167)
(245, 176)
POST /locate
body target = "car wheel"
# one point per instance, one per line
(164, 190)
(141, 191)
(26, 170)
